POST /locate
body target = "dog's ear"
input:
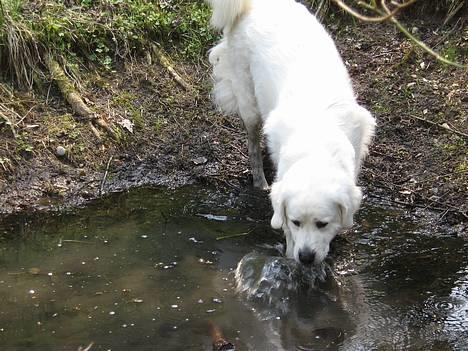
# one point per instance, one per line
(277, 201)
(348, 204)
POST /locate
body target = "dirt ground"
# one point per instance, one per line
(418, 158)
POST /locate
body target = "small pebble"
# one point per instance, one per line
(60, 151)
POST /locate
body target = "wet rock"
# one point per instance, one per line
(274, 280)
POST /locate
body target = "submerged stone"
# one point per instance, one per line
(273, 281)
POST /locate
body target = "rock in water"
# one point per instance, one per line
(272, 281)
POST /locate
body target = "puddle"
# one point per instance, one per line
(144, 271)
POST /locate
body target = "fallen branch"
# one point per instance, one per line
(444, 126)
(164, 61)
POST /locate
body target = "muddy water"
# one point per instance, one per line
(145, 271)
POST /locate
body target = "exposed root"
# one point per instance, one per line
(68, 90)
(164, 61)
(73, 97)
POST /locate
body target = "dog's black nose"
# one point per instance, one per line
(307, 257)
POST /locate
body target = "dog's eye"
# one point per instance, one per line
(320, 224)
(297, 223)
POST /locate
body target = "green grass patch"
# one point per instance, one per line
(98, 33)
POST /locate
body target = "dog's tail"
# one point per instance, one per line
(227, 12)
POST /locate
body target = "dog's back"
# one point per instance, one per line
(282, 51)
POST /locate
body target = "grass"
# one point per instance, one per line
(97, 34)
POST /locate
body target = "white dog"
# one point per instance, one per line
(276, 66)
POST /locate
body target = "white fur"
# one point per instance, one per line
(277, 67)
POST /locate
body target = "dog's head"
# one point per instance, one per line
(312, 208)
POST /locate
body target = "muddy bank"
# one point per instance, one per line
(418, 159)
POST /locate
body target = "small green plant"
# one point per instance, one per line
(23, 145)
(450, 53)
(462, 167)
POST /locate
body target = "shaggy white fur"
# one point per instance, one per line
(277, 67)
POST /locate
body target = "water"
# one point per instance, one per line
(145, 271)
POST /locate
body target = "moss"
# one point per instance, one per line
(462, 167)
(63, 130)
(24, 145)
(456, 146)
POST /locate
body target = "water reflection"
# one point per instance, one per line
(144, 271)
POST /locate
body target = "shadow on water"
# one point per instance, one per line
(144, 271)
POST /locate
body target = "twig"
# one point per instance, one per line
(26, 115)
(95, 131)
(364, 18)
(231, 236)
(447, 207)
(76, 241)
(387, 14)
(443, 126)
(87, 348)
(105, 176)
(420, 43)
(164, 61)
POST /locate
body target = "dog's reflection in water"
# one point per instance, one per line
(304, 308)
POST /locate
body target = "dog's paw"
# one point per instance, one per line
(261, 184)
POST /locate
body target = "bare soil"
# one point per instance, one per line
(418, 159)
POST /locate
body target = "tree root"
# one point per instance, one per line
(74, 99)
(164, 61)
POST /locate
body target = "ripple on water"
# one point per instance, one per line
(451, 310)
